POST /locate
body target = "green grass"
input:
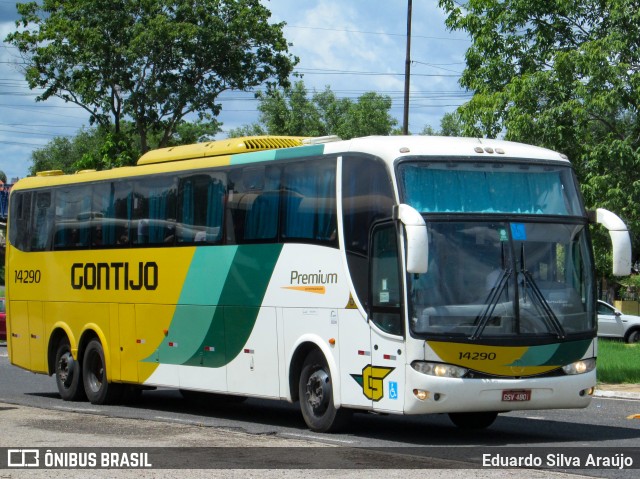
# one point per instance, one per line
(618, 362)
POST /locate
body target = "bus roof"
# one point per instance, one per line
(229, 146)
(238, 151)
(392, 147)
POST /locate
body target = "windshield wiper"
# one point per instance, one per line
(491, 303)
(539, 298)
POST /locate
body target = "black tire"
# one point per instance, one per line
(473, 420)
(633, 337)
(316, 396)
(94, 374)
(68, 373)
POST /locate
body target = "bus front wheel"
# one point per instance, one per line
(94, 373)
(68, 373)
(473, 420)
(316, 396)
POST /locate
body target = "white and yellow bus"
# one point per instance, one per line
(406, 275)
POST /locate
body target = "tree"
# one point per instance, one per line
(100, 148)
(62, 153)
(247, 130)
(563, 75)
(152, 61)
(368, 116)
(290, 111)
(450, 125)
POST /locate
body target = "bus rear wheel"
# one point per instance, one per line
(316, 396)
(94, 373)
(473, 420)
(68, 373)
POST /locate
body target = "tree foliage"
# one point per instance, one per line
(291, 111)
(62, 153)
(101, 148)
(151, 62)
(450, 125)
(564, 75)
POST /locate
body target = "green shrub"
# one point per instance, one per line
(618, 362)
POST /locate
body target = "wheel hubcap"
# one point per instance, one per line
(318, 391)
(66, 366)
(96, 371)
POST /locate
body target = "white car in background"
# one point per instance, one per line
(615, 324)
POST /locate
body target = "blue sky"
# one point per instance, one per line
(352, 46)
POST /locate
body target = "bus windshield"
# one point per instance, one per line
(501, 279)
(489, 187)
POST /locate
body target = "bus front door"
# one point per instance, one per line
(386, 376)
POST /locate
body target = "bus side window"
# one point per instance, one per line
(73, 216)
(253, 205)
(367, 196)
(110, 214)
(309, 206)
(201, 200)
(20, 215)
(154, 211)
(42, 226)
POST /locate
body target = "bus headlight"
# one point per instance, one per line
(439, 369)
(580, 367)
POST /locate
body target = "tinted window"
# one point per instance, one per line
(201, 208)
(254, 204)
(111, 213)
(385, 280)
(153, 219)
(20, 216)
(367, 196)
(72, 217)
(292, 201)
(42, 225)
(309, 191)
(496, 187)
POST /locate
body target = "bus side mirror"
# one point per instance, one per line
(416, 235)
(620, 240)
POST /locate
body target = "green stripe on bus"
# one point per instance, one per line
(270, 155)
(553, 354)
(568, 353)
(218, 306)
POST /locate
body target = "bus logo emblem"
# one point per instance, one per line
(372, 381)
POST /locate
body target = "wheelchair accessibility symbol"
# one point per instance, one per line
(393, 390)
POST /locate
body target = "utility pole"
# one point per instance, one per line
(407, 73)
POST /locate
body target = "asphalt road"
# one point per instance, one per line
(33, 415)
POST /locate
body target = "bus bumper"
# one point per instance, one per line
(430, 394)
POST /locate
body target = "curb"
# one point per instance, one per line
(617, 394)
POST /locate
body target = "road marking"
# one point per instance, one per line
(182, 421)
(316, 438)
(75, 409)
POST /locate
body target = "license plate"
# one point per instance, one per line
(519, 395)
